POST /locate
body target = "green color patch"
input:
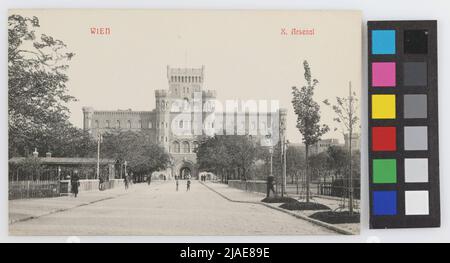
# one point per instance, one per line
(385, 171)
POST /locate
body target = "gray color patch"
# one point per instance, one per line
(416, 170)
(415, 106)
(416, 138)
(415, 74)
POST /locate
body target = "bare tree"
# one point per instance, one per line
(346, 112)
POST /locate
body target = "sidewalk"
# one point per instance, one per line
(237, 195)
(26, 209)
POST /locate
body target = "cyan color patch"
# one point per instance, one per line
(383, 42)
(385, 203)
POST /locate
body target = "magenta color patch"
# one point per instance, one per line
(383, 74)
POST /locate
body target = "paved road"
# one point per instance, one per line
(160, 210)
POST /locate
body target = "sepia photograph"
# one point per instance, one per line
(183, 123)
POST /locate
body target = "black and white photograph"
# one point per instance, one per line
(184, 123)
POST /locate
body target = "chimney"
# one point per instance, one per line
(48, 155)
(35, 153)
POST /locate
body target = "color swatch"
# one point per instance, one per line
(403, 124)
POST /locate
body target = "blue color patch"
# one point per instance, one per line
(383, 42)
(385, 203)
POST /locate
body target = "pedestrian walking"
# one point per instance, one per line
(188, 184)
(125, 181)
(177, 183)
(100, 183)
(270, 185)
(75, 183)
(149, 180)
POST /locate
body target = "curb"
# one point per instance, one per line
(311, 220)
(61, 210)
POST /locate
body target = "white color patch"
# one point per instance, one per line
(417, 203)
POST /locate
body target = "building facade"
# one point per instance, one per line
(183, 114)
(323, 145)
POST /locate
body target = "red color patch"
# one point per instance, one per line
(384, 139)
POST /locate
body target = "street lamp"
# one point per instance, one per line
(285, 144)
(125, 166)
(99, 140)
(270, 178)
(271, 160)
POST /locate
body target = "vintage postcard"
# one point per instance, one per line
(183, 122)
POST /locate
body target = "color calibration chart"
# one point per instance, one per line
(403, 124)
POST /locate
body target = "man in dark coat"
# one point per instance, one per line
(270, 185)
(75, 183)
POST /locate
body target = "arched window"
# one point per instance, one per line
(176, 147)
(97, 124)
(129, 124)
(118, 124)
(140, 124)
(150, 125)
(186, 148)
(108, 125)
(180, 124)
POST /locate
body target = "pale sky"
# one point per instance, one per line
(244, 54)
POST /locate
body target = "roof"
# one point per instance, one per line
(65, 160)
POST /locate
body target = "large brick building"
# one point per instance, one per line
(183, 113)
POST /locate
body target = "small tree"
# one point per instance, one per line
(308, 117)
(346, 109)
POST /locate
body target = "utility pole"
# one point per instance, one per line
(350, 135)
(284, 166)
(99, 139)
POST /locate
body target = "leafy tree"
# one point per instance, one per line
(224, 153)
(63, 140)
(37, 93)
(336, 159)
(30, 168)
(243, 153)
(316, 163)
(295, 162)
(213, 156)
(142, 155)
(308, 117)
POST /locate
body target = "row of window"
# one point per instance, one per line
(128, 124)
(186, 79)
(181, 124)
(183, 147)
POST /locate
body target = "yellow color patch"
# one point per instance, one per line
(383, 107)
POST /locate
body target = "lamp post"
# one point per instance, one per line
(125, 168)
(270, 177)
(271, 160)
(285, 144)
(99, 140)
